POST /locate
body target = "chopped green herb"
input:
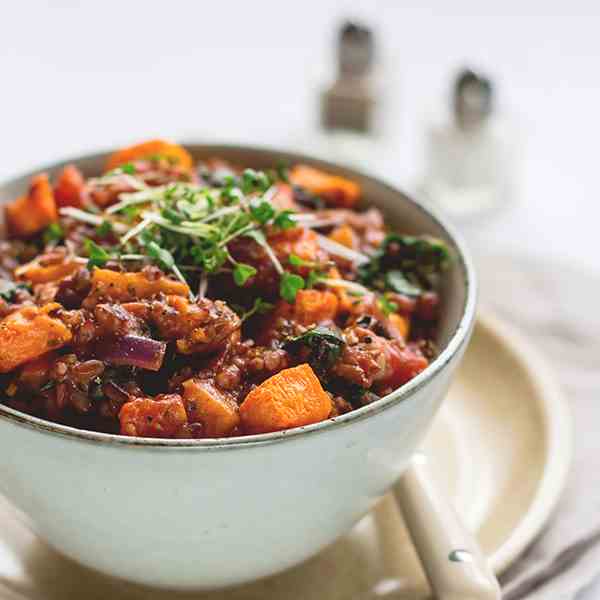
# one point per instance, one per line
(254, 181)
(98, 256)
(54, 233)
(314, 277)
(128, 168)
(262, 211)
(211, 259)
(297, 261)
(163, 257)
(387, 306)
(172, 215)
(284, 220)
(260, 307)
(132, 212)
(104, 229)
(243, 272)
(282, 171)
(289, 285)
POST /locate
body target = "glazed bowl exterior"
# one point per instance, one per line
(200, 514)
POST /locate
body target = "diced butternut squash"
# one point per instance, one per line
(401, 323)
(36, 273)
(146, 150)
(345, 300)
(127, 287)
(344, 235)
(311, 307)
(336, 191)
(29, 333)
(162, 417)
(315, 306)
(300, 241)
(291, 398)
(69, 187)
(215, 410)
(32, 213)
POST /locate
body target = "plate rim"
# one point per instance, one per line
(558, 426)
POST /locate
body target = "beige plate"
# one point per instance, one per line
(500, 446)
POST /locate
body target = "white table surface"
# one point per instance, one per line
(78, 76)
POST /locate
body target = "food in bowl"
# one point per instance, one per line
(176, 507)
(168, 299)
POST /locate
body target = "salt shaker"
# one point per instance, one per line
(468, 161)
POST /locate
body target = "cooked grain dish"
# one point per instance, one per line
(173, 299)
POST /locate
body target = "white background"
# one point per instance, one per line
(87, 75)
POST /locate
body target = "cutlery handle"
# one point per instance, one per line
(453, 562)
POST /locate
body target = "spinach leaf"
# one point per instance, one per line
(397, 282)
(405, 264)
(353, 393)
(325, 346)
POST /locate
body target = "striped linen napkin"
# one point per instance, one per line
(558, 307)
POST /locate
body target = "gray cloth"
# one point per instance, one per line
(558, 307)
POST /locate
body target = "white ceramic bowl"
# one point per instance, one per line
(213, 513)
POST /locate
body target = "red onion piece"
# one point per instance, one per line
(133, 350)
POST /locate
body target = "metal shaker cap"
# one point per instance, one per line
(473, 98)
(356, 50)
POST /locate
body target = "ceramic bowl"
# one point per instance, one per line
(196, 514)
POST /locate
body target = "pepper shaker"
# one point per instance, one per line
(468, 161)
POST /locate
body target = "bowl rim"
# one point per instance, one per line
(458, 338)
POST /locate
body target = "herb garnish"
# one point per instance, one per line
(243, 272)
(104, 229)
(314, 277)
(289, 285)
(128, 168)
(297, 261)
(53, 233)
(284, 220)
(259, 307)
(163, 257)
(187, 227)
(387, 306)
(98, 256)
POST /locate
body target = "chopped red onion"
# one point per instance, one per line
(133, 350)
